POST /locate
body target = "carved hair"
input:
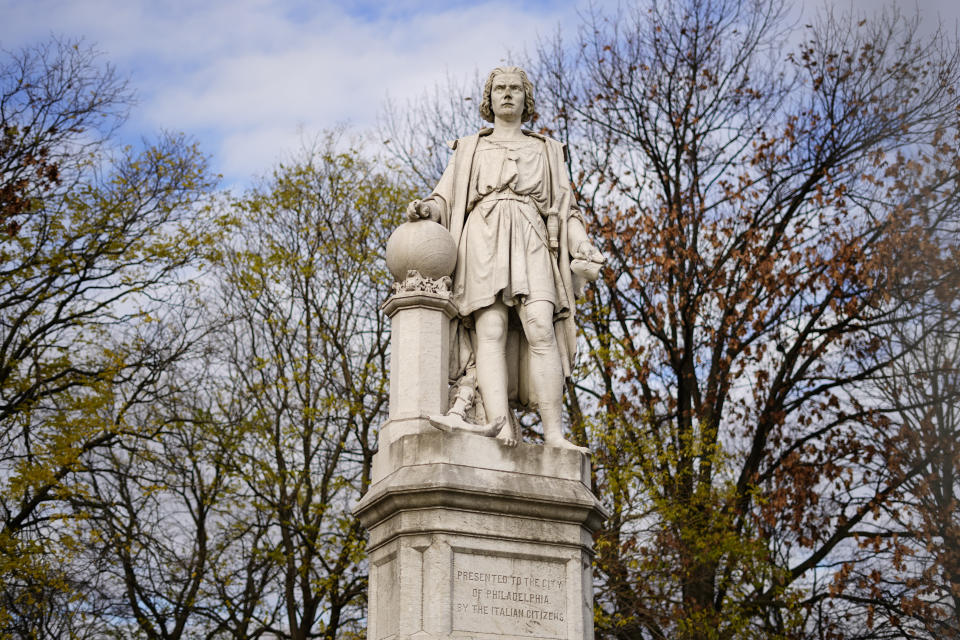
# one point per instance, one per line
(486, 111)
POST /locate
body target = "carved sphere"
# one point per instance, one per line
(422, 245)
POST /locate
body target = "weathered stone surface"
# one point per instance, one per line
(472, 539)
(422, 246)
(522, 256)
(419, 360)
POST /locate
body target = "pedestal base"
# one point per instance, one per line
(471, 539)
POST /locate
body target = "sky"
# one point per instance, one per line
(252, 79)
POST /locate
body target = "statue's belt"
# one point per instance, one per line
(544, 223)
(534, 216)
(496, 196)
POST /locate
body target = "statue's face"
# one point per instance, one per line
(506, 96)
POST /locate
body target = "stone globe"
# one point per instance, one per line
(421, 245)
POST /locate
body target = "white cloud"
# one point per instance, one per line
(248, 76)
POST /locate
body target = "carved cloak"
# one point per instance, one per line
(452, 193)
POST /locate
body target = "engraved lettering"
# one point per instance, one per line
(511, 596)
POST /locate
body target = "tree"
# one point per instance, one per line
(305, 366)
(233, 518)
(911, 585)
(922, 597)
(417, 136)
(93, 289)
(754, 204)
(153, 515)
(52, 93)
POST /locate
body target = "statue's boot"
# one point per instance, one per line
(456, 422)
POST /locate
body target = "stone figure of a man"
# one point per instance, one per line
(522, 251)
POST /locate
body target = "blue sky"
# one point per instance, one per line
(251, 78)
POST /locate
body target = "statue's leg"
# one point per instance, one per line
(546, 370)
(491, 330)
(513, 365)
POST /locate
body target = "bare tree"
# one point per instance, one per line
(306, 360)
(94, 256)
(416, 136)
(920, 598)
(154, 515)
(756, 204)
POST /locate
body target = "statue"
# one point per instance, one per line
(522, 256)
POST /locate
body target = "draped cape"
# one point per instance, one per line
(452, 195)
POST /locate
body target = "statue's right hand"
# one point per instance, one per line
(413, 211)
(420, 210)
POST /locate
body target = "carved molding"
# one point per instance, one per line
(416, 283)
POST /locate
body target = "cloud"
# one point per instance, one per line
(248, 76)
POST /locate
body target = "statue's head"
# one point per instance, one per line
(486, 111)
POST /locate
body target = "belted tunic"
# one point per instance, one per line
(495, 198)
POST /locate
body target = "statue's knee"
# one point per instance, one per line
(539, 332)
(491, 328)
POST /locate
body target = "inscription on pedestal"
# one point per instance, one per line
(509, 596)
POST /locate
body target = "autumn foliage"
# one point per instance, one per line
(769, 211)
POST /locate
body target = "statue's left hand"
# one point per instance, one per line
(586, 251)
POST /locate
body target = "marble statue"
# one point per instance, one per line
(522, 255)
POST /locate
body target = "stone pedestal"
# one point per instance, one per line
(419, 360)
(471, 539)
